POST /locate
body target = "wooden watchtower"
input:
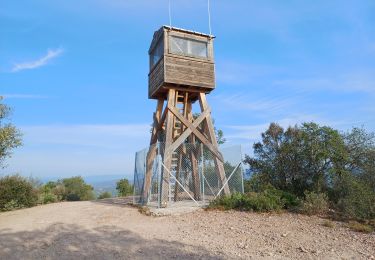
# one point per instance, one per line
(182, 71)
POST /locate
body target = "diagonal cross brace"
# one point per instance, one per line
(192, 128)
(196, 132)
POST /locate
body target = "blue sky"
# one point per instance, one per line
(75, 73)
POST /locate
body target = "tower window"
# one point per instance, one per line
(188, 47)
(157, 53)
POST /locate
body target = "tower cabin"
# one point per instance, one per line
(182, 60)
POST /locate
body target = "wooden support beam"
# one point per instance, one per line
(157, 121)
(212, 137)
(151, 154)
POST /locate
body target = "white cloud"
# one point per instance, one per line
(51, 54)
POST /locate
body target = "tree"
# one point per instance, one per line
(298, 159)
(10, 136)
(124, 188)
(360, 146)
(318, 160)
(76, 189)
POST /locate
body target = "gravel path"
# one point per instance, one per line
(94, 230)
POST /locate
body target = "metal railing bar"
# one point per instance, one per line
(230, 176)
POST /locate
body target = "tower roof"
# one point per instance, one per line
(187, 31)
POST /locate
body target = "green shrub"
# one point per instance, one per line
(264, 202)
(270, 199)
(288, 200)
(46, 194)
(70, 189)
(59, 191)
(357, 199)
(75, 189)
(228, 202)
(16, 192)
(48, 198)
(105, 195)
(315, 203)
(12, 205)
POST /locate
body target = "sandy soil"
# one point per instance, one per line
(97, 230)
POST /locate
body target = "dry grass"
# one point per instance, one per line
(359, 227)
(328, 223)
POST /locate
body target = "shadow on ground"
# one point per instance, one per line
(61, 241)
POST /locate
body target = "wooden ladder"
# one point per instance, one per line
(181, 100)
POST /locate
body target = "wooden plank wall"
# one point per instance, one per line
(188, 71)
(156, 77)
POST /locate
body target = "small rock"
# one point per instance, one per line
(231, 228)
(284, 235)
(372, 257)
(302, 249)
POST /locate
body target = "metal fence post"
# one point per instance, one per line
(202, 173)
(242, 171)
(158, 160)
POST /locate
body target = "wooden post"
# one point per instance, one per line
(164, 193)
(152, 151)
(212, 138)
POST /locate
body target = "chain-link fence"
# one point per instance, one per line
(193, 172)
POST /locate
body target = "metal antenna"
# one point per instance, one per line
(170, 16)
(209, 16)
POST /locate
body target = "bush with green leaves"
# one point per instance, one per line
(315, 203)
(356, 199)
(69, 189)
(16, 192)
(124, 188)
(105, 195)
(270, 199)
(46, 198)
(75, 189)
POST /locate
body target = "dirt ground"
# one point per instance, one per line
(98, 230)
